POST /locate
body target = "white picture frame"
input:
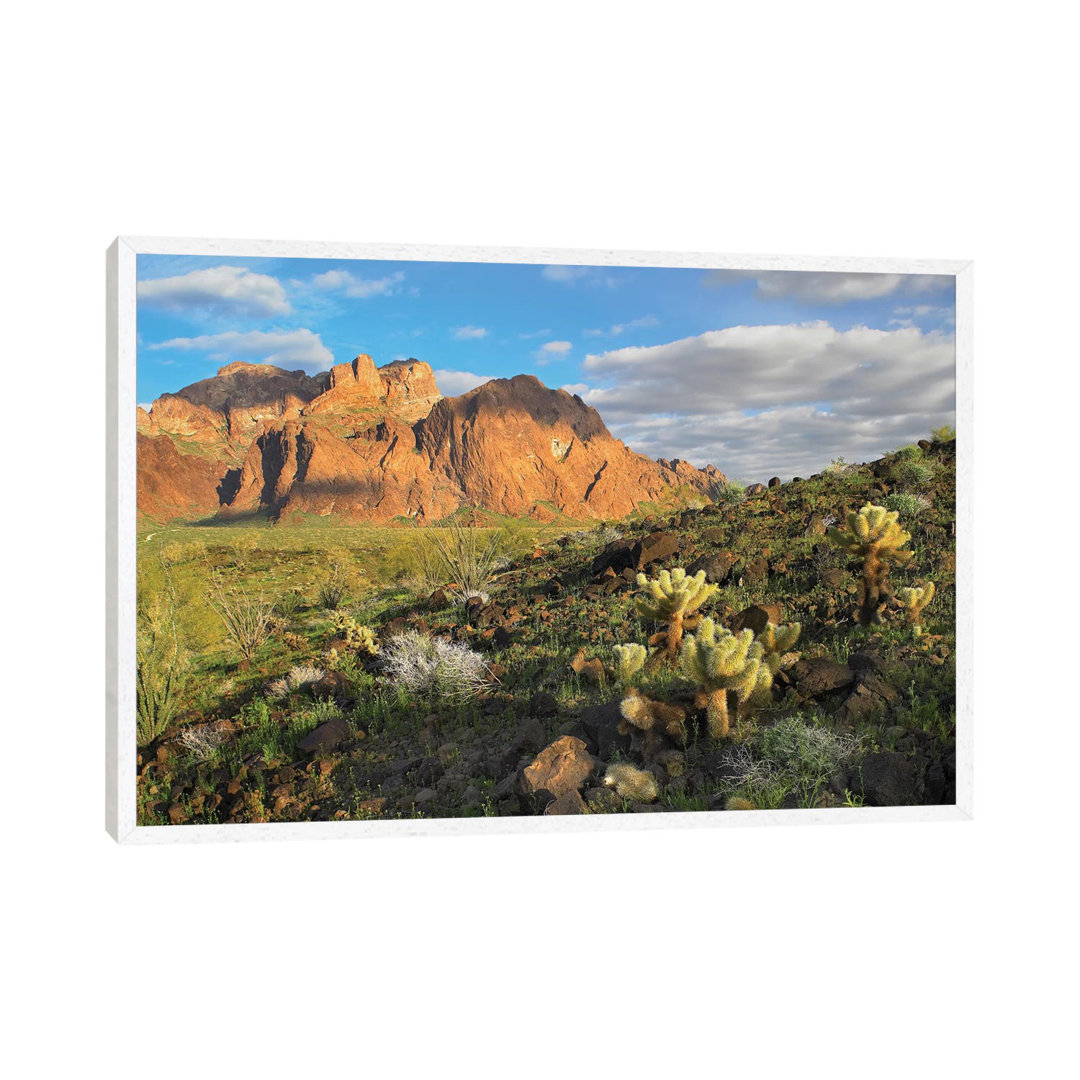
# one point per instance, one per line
(121, 754)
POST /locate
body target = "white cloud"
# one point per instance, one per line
(220, 289)
(358, 288)
(553, 350)
(300, 348)
(452, 383)
(621, 328)
(576, 388)
(831, 287)
(469, 333)
(758, 401)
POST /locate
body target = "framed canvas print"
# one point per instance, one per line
(408, 539)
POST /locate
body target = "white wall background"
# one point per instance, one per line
(923, 129)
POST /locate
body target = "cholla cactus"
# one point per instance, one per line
(632, 783)
(361, 638)
(913, 600)
(775, 641)
(648, 715)
(721, 662)
(629, 660)
(875, 536)
(673, 598)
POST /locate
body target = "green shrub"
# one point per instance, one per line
(943, 434)
(907, 506)
(729, 493)
(162, 667)
(914, 473)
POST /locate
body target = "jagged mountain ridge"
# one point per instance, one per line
(375, 444)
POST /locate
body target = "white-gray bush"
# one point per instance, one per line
(297, 679)
(423, 666)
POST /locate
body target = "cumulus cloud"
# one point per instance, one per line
(282, 348)
(452, 383)
(349, 284)
(831, 287)
(232, 290)
(552, 350)
(468, 333)
(778, 400)
(620, 328)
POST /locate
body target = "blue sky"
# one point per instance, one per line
(759, 373)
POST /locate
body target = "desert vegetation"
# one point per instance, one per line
(780, 648)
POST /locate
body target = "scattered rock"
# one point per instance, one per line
(774, 481)
(886, 779)
(602, 724)
(591, 670)
(530, 735)
(755, 571)
(655, 546)
(333, 684)
(756, 618)
(325, 737)
(715, 534)
(563, 766)
(543, 704)
(755, 489)
(832, 578)
(820, 676)
(570, 802)
(717, 566)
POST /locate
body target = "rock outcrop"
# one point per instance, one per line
(375, 444)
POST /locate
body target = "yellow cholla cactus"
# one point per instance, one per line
(645, 714)
(632, 783)
(874, 535)
(720, 662)
(673, 598)
(629, 660)
(913, 600)
(775, 641)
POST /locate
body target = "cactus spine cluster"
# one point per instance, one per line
(629, 660)
(913, 601)
(632, 783)
(721, 662)
(673, 598)
(874, 535)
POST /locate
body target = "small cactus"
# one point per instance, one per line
(913, 600)
(874, 535)
(361, 638)
(721, 662)
(632, 783)
(629, 660)
(647, 715)
(737, 802)
(673, 598)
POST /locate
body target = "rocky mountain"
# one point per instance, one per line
(375, 444)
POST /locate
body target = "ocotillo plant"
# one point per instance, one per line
(874, 535)
(629, 660)
(913, 601)
(673, 599)
(721, 662)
